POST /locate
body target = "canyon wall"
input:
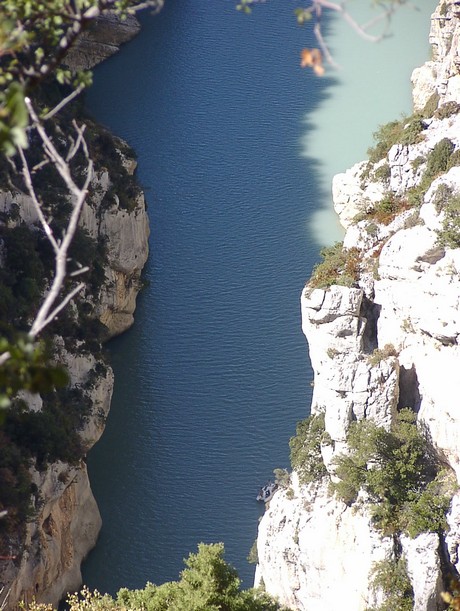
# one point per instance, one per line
(315, 551)
(44, 564)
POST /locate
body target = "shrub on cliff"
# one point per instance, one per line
(449, 234)
(386, 210)
(439, 160)
(406, 131)
(395, 469)
(339, 266)
(391, 578)
(305, 447)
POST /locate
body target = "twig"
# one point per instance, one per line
(49, 310)
(76, 92)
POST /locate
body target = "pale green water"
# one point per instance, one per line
(371, 88)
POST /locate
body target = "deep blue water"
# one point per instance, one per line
(214, 375)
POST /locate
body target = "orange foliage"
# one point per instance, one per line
(312, 58)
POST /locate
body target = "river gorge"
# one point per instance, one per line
(236, 148)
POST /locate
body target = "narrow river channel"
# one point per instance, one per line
(236, 146)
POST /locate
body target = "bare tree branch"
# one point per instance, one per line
(314, 11)
(76, 92)
(38, 209)
(49, 310)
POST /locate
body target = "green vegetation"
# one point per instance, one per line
(305, 447)
(109, 152)
(23, 274)
(395, 469)
(15, 492)
(406, 131)
(282, 478)
(382, 173)
(431, 105)
(207, 583)
(386, 210)
(52, 433)
(36, 438)
(253, 556)
(447, 110)
(449, 234)
(339, 266)
(391, 578)
(439, 160)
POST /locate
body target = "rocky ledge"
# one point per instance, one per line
(101, 40)
(383, 335)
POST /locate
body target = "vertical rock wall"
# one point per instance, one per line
(314, 551)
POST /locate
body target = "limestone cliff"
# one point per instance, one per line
(45, 561)
(66, 518)
(402, 224)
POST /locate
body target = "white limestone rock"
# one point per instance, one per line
(424, 570)
(441, 73)
(352, 195)
(316, 553)
(453, 534)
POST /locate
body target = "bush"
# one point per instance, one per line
(253, 556)
(449, 234)
(382, 173)
(387, 209)
(431, 106)
(437, 160)
(22, 275)
(15, 487)
(391, 578)
(454, 159)
(282, 478)
(447, 110)
(381, 354)
(305, 448)
(109, 151)
(52, 433)
(406, 131)
(394, 468)
(426, 512)
(442, 197)
(339, 266)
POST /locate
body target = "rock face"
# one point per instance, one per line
(314, 551)
(102, 40)
(441, 74)
(57, 541)
(67, 520)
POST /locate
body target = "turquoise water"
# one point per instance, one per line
(371, 88)
(215, 373)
